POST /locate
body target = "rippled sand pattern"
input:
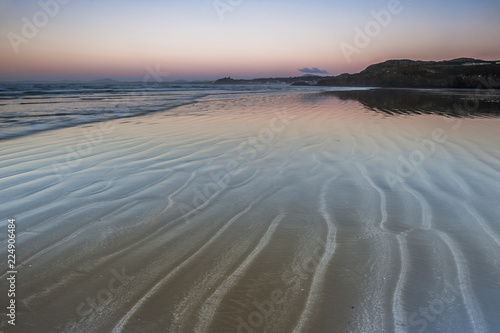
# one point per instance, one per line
(284, 213)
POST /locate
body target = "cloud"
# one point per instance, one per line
(313, 70)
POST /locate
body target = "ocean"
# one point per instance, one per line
(29, 108)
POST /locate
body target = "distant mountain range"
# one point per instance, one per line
(307, 79)
(106, 80)
(456, 73)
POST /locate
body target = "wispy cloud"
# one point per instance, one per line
(313, 70)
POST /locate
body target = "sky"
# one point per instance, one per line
(209, 39)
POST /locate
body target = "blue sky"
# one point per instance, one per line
(193, 40)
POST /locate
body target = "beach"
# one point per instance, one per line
(301, 210)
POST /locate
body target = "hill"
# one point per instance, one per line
(308, 79)
(457, 73)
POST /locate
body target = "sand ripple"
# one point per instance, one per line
(279, 213)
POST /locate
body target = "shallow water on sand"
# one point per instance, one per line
(296, 212)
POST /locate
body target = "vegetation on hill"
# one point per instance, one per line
(457, 73)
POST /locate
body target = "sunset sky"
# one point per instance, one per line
(191, 39)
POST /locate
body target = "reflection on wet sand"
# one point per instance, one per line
(453, 103)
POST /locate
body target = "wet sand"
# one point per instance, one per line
(284, 213)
